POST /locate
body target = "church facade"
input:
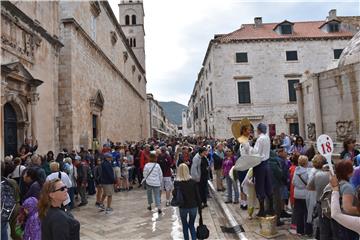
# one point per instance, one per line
(69, 76)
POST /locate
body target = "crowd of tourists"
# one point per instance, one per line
(291, 182)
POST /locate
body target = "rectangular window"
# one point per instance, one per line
(291, 56)
(286, 29)
(244, 92)
(94, 126)
(211, 99)
(241, 57)
(292, 91)
(337, 53)
(294, 128)
(333, 27)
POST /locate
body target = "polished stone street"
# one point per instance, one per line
(131, 219)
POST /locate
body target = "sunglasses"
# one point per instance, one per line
(61, 189)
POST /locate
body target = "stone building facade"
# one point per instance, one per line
(329, 101)
(252, 71)
(30, 51)
(69, 76)
(160, 126)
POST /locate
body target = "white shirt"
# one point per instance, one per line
(262, 147)
(64, 178)
(155, 178)
(17, 171)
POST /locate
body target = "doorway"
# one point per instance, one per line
(10, 130)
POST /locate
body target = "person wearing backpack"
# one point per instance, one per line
(82, 175)
(348, 202)
(350, 222)
(189, 200)
(10, 202)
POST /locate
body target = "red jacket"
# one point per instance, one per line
(144, 158)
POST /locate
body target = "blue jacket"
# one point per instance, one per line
(107, 173)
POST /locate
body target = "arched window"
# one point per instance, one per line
(127, 20)
(133, 19)
(134, 42)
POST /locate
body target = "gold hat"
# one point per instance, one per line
(236, 128)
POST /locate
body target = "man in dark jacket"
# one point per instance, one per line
(277, 180)
(107, 182)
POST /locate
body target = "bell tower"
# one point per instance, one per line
(131, 15)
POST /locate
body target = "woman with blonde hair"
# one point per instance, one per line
(191, 201)
(56, 223)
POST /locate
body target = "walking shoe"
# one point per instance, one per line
(284, 214)
(82, 204)
(159, 211)
(243, 207)
(235, 202)
(149, 208)
(97, 204)
(108, 211)
(167, 203)
(101, 207)
(228, 201)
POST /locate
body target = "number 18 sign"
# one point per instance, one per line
(325, 146)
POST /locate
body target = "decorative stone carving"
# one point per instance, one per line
(97, 102)
(311, 131)
(133, 68)
(344, 130)
(125, 56)
(95, 8)
(17, 38)
(113, 37)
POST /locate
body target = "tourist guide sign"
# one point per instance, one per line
(325, 146)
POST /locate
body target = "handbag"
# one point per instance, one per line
(144, 180)
(202, 232)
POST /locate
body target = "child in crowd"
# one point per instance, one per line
(124, 174)
(29, 219)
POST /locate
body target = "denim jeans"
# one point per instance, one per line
(4, 231)
(188, 225)
(149, 191)
(230, 185)
(71, 192)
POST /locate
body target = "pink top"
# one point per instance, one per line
(348, 221)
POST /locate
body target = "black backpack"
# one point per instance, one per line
(8, 200)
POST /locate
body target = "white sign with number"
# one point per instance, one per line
(325, 146)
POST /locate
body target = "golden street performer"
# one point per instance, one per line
(256, 157)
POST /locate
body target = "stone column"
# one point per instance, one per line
(300, 110)
(317, 105)
(29, 115)
(34, 100)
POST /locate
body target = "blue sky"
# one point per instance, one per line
(178, 33)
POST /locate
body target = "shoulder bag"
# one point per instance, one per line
(143, 182)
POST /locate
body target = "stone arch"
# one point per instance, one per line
(18, 105)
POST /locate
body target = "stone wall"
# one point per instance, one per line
(268, 73)
(39, 54)
(99, 65)
(339, 90)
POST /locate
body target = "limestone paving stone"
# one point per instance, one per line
(131, 220)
